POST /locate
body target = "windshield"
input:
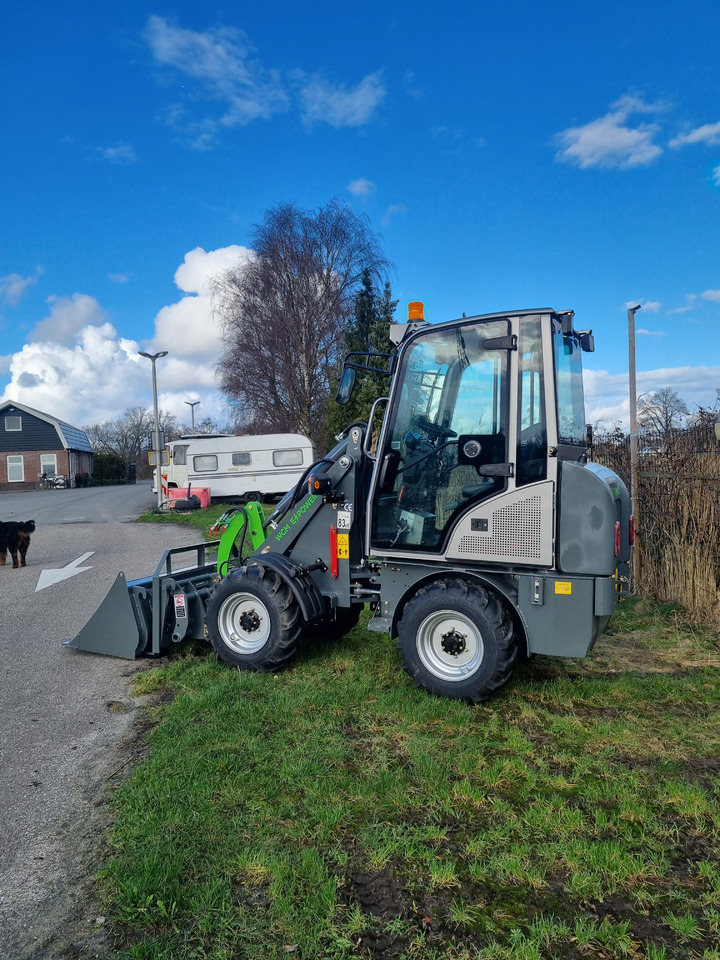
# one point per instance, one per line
(570, 396)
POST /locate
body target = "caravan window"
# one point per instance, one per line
(179, 455)
(241, 459)
(205, 464)
(287, 458)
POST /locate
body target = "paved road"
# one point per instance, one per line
(79, 505)
(66, 717)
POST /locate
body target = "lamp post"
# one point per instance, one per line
(633, 437)
(192, 404)
(158, 456)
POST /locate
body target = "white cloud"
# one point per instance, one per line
(361, 188)
(323, 102)
(392, 211)
(707, 133)
(691, 304)
(78, 367)
(650, 333)
(119, 277)
(91, 381)
(68, 316)
(610, 141)
(221, 65)
(120, 153)
(187, 328)
(651, 306)
(716, 176)
(711, 295)
(446, 132)
(219, 60)
(13, 286)
(607, 400)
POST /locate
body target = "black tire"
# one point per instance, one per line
(41, 484)
(253, 495)
(253, 620)
(456, 639)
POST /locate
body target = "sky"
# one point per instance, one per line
(509, 156)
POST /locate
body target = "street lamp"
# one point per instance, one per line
(192, 404)
(633, 435)
(158, 456)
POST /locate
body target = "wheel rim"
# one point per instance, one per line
(450, 645)
(244, 623)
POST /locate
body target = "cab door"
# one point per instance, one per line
(445, 443)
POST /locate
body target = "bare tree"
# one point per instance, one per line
(661, 412)
(129, 435)
(285, 313)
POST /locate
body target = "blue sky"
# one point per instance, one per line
(509, 155)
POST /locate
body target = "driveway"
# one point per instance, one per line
(69, 726)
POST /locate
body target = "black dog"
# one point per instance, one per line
(15, 537)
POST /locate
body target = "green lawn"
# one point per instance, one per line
(335, 811)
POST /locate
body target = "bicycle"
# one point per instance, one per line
(52, 482)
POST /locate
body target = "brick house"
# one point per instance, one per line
(32, 443)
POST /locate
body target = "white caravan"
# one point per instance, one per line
(249, 468)
(175, 471)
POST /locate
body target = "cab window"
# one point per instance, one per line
(449, 426)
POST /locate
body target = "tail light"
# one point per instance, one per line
(617, 538)
(632, 531)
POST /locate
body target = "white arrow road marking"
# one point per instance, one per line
(48, 577)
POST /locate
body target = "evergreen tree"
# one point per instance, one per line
(369, 330)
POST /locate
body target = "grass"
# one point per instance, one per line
(201, 519)
(334, 811)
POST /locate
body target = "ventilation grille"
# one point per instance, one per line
(515, 532)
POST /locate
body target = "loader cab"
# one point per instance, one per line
(480, 408)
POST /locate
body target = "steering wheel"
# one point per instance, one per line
(434, 431)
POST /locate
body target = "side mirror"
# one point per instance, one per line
(346, 387)
(587, 342)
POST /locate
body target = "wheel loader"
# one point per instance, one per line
(468, 520)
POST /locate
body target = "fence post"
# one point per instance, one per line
(635, 573)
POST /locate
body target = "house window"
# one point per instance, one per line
(241, 459)
(15, 469)
(13, 423)
(48, 464)
(287, 458)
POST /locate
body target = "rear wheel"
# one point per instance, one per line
(253, 620)
(456, 639)
(42, 484)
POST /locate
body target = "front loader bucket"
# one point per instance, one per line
(143, 617)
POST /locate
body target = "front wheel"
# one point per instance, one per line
(41, 484)
(253, 620)
(456, 639)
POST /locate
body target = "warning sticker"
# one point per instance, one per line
(344, 520)
(180, 609)
(343, 546)
(563, 586)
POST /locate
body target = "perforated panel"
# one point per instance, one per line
(519, 528)
(516, 531)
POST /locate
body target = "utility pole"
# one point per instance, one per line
(633, 440)
(158, 453)
(192, 404)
